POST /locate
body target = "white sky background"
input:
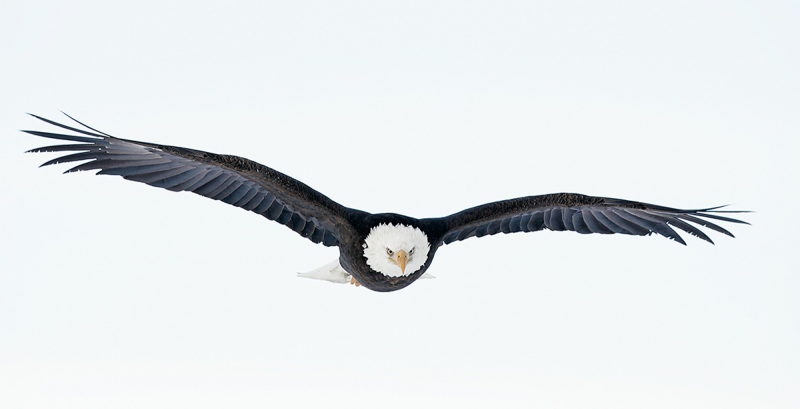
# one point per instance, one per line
(116, 294)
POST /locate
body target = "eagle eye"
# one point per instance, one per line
(411, 252)
(389, 252)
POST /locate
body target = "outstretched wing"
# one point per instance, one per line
(231, 179)
(583, 214)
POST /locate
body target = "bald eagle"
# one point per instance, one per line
(382, 252)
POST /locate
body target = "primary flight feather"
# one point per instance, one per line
(383, 252)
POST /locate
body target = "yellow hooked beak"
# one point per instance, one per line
(402, 259)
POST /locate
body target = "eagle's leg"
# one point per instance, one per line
(354, 282)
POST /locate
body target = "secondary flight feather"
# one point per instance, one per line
(383, 252)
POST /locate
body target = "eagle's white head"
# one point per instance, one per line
(396, 250)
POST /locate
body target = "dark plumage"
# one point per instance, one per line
(262, 190)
